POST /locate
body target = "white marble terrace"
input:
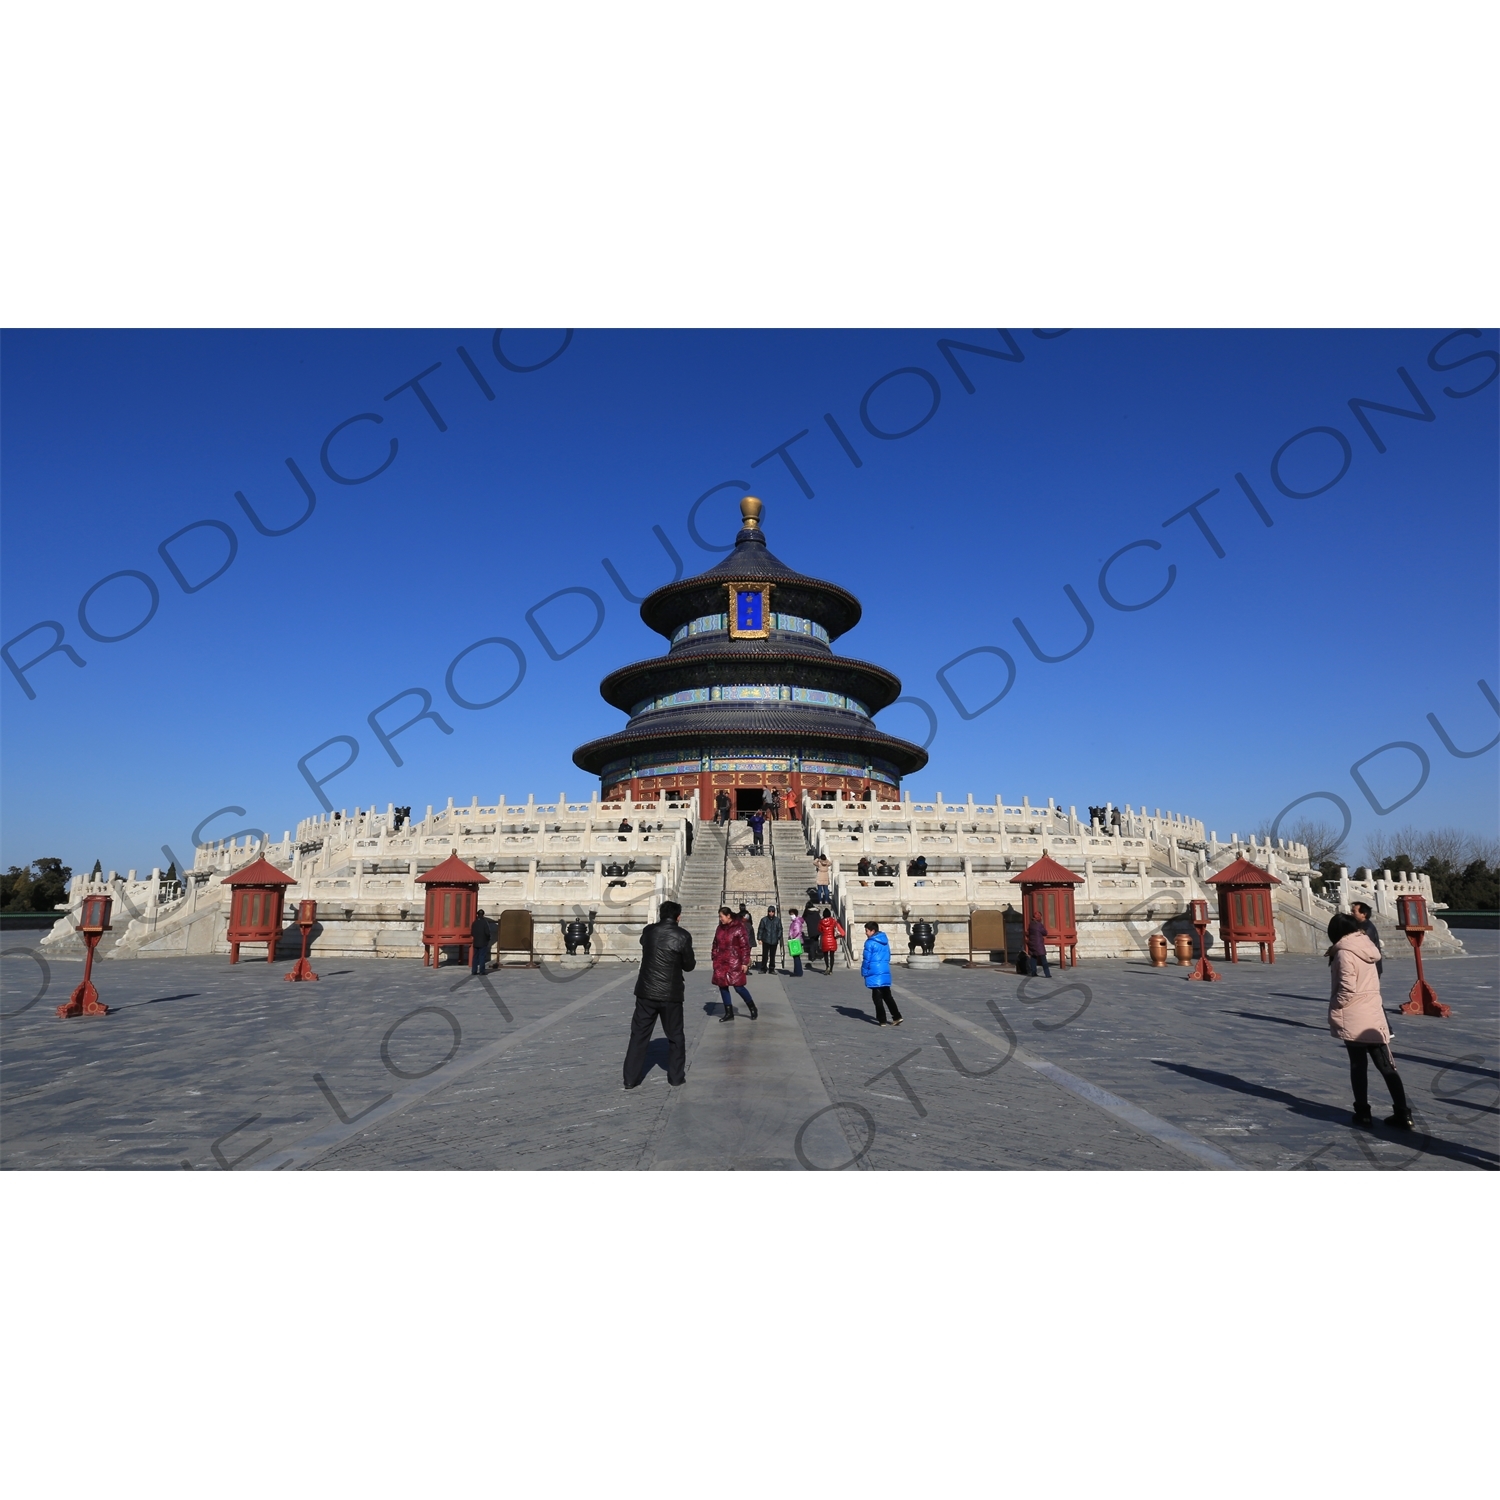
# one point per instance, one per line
(559, 860)
(563, 860)
(1136, 879)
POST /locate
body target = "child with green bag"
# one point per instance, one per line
(795, 931)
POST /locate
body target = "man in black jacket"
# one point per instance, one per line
(769, 933)
(1361, 913)
(480, 938)
(666, 955)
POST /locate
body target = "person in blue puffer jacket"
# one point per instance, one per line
(875, 965)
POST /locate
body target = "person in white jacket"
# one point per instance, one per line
(1357, 1017)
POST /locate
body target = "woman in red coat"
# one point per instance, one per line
(731, 962)
(829, 933)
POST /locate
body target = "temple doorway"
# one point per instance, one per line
(747, 799)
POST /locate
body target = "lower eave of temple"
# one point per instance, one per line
(749, 730)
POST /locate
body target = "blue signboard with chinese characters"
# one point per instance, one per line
(749, 609)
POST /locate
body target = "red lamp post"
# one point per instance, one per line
(307, 918)
(1412, 919)
(93, 923)
(1047, 892)
(1246, 913)
(1198, 916)
(452, 896)
(257, 893)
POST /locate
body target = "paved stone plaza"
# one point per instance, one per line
(383, 1064)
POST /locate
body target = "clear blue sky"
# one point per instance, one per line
(1260, 676)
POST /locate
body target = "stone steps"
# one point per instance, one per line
(794, 866)
(700, 889)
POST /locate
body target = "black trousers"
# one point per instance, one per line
(881, 994)
(1378, 1053)
(768, 957)
(642, 1024)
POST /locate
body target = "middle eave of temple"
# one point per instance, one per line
(809, 667)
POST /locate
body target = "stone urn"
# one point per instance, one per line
(1158, 947)
(1184, 948)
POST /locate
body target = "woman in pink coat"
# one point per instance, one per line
(731, 962)
(1357, 1017)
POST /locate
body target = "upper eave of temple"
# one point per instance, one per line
(723, 661)
(794, 593)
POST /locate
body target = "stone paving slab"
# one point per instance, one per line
(1246, 1064)
(211, 1065)
(755, 1087)
(955, 1103)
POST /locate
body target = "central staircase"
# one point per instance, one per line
(701, 891)
(722, 872)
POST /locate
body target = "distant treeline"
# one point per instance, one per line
(39, 886)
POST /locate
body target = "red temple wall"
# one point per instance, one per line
(791, 783)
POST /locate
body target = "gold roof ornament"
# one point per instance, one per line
(750, 509)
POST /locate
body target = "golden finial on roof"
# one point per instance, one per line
(750, 509)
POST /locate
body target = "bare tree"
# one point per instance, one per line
(1484, 848)
(1429, 846)
(1322, 839)
(1385, 845)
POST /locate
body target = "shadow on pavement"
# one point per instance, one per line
(1251, 1015)
(855, 1015)
(1485, 1109)
(656, 1056)
(1310, 1109)
(1437, 1062)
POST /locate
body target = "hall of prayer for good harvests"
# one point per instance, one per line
(751, 701)
(750, 695)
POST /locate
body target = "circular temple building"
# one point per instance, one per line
(750, 695)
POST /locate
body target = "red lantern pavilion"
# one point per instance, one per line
(452, 898)
(93, 923)
(1246, 911)
(257, 892)
(1047, 892)
(1413, 920)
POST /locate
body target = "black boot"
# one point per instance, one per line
(1362, 1115)
(728, 1012)
(1401, 1118)
(750, 1006)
